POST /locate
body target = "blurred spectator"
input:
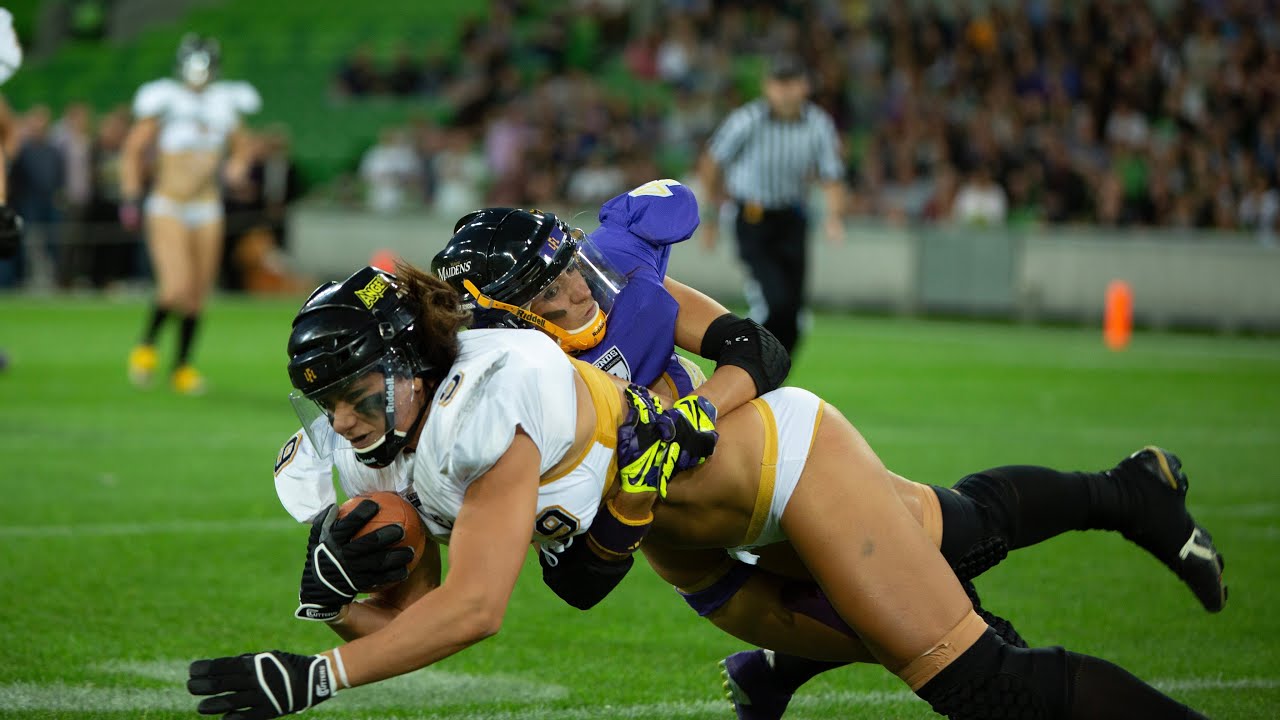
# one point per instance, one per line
(1066, 194)
(390, 171)
(357, 76)
(114, 251)
(427, 141)
(677, 54)
(939, 207)
(257, 217)
(406, 77)
(595, 181)
(980, 199)
(37, 174)
(1260, 205)
(275, 172)
(641, 56)
(460, 174)
(72, 137)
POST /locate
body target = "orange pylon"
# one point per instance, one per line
(384, 260)
(1117, 318)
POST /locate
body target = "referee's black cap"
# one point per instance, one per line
(786, 66)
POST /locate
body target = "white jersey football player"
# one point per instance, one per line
(10, 50)
(427, 431)
(10, 222)
(502, 379)
(191, 121)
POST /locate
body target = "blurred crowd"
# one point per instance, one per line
(1163, 113)
(64, 180)
(1111, 112)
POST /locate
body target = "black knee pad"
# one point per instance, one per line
(993, 679)
(1003, 627)
(973, 539)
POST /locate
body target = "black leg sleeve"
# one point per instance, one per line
(1105, 690)
(994, 679)
(1022, 505)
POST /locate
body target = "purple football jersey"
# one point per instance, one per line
(637, 230)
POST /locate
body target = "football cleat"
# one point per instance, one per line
(1163, 527)
(188, 381)
(142, 365)
(751, 686)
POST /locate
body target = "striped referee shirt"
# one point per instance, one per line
(771, 161)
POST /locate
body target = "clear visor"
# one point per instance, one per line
(574, 307)
(588, 285)
(357, 411)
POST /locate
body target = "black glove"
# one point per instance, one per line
(338, 568)
(10, 232)
(262, 685)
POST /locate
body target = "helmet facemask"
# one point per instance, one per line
(197, 61)
(376, 397)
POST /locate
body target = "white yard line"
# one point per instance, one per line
(169, 527)
(433, 691)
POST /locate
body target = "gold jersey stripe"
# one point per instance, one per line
(608, 405)
(671, 386)
(768, 472)
(817, 420)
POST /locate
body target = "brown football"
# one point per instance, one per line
(392, 510)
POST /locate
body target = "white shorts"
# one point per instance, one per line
(791, 416)
(190, 214)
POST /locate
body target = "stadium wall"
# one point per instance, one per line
(1179, 279)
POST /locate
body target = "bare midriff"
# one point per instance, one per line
(188, 175)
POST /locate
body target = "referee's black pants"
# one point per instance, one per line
(773, 245)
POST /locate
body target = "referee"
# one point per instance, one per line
(763, 158)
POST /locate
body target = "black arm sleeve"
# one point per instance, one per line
(731, 340)
(580, 577)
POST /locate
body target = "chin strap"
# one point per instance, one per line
(585, 338)
(384, 451)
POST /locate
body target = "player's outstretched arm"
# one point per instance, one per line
(371, 614)
(487, 549)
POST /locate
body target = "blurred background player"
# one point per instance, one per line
(10, 222)
(192, 120)
(763, 157)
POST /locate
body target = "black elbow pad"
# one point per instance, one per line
(580, 577)
(745, 343)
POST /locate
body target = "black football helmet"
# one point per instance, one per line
(500, 259)
(198, 59)
(343, 332)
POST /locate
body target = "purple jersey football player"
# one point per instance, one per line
(606, 298)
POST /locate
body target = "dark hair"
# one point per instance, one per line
(439, 317)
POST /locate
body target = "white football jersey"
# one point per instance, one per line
(501, 380)
(10, 50)
(304, 480)
(195, 120)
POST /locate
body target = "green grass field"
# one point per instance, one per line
(140, 530)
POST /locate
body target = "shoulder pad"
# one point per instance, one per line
(661, 212)
(154, 97)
